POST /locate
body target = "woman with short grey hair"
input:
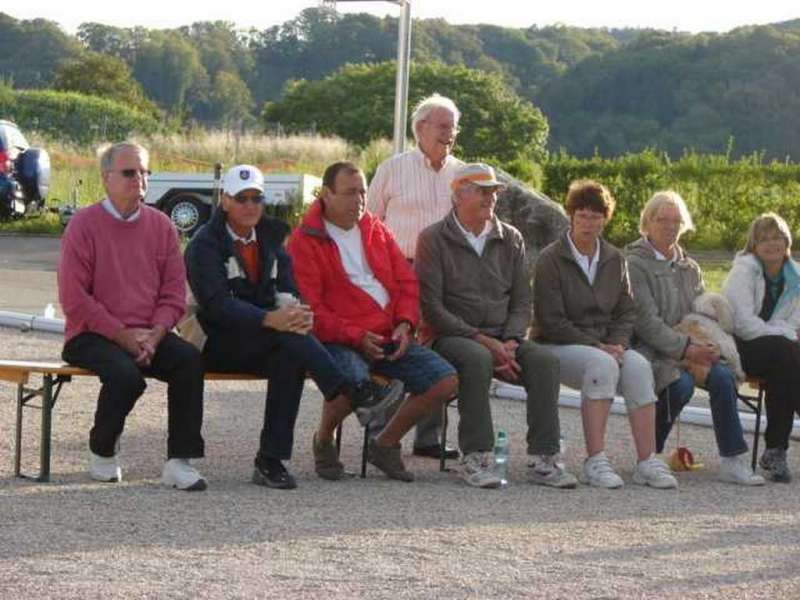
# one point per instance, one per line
(665, 282)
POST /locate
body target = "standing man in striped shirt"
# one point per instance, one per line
(411, 191)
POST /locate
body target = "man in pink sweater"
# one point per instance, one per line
(122, 286)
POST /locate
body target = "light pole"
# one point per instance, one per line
(403, 59)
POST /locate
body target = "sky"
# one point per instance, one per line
(683, 15)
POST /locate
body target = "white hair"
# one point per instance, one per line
(427, 105)
(663, 198)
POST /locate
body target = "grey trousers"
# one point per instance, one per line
(540, 378)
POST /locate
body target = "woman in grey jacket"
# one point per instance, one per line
(665, 282)
(764, 289)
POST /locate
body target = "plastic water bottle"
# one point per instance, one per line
(501, 457)
(49, 311)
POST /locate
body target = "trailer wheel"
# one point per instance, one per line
(187, 213)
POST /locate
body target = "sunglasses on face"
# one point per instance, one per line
(255, 199)
(131, 173)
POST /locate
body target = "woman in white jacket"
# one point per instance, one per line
(763, 287)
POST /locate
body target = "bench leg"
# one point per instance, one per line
(18, 436)
(759, 408)
(443, 444)
(364, 450)
(47, 427)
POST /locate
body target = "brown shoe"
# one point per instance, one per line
(326, 460)
(388, 460)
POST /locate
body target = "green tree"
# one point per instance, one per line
(357, 103)
(167, 65)
(231, 100)
(101, 75)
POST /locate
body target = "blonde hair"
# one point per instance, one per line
(659, 200)
(762, 226)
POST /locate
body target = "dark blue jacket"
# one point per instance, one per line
(227, 303)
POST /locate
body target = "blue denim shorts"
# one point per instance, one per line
(419, 368)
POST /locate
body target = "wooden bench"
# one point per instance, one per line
(54, 376)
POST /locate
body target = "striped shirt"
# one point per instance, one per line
(408, 195)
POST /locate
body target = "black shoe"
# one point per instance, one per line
(435, 452)
(273, 474)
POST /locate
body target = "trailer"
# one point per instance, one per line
(188, 198)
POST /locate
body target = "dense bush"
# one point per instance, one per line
(73, 117)
(723, 196)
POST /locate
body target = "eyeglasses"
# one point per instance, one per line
(772, 239)
(443, 127)
(673, 222)
(131, 173)
(254, 198)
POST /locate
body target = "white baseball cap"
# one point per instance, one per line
(242, 177)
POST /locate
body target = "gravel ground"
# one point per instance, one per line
(374, 538)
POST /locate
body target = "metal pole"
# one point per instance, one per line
(401, 87)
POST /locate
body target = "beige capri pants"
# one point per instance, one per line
(598, 376)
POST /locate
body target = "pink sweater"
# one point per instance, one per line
(114, 274)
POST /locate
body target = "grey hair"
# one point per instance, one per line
(108, 153)
(427, 105)
(656, 202)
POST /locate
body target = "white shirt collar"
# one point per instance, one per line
(427, 161)
(658, 254)
(237, 238)
(578, 254)
(476, 241)
(112, 210)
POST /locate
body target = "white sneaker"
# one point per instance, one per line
(598, 472)
(654, 472)
(179, 473)
(477, 469)
(545, 470)
(735, 469)
(104, 468)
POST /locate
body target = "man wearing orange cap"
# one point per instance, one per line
(475, 298)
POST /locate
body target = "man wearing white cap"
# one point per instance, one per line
(249, 308)
(411, 191)
(476, 300)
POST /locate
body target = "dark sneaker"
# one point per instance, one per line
(435, 451)
(388, 460)
(373, 402)
(326, 460)
(273, 474)
(773, 461)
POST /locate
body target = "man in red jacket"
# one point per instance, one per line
(365, 299)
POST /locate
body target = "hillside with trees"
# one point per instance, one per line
(601, 91)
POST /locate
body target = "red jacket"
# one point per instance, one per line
(343, 312)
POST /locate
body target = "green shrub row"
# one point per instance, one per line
(73, 117)
(723, 196)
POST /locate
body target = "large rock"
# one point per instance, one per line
(539, 219)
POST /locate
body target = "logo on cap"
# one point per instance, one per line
(244, 174)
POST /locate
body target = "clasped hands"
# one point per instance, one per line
(140, 342)
(504, 356)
